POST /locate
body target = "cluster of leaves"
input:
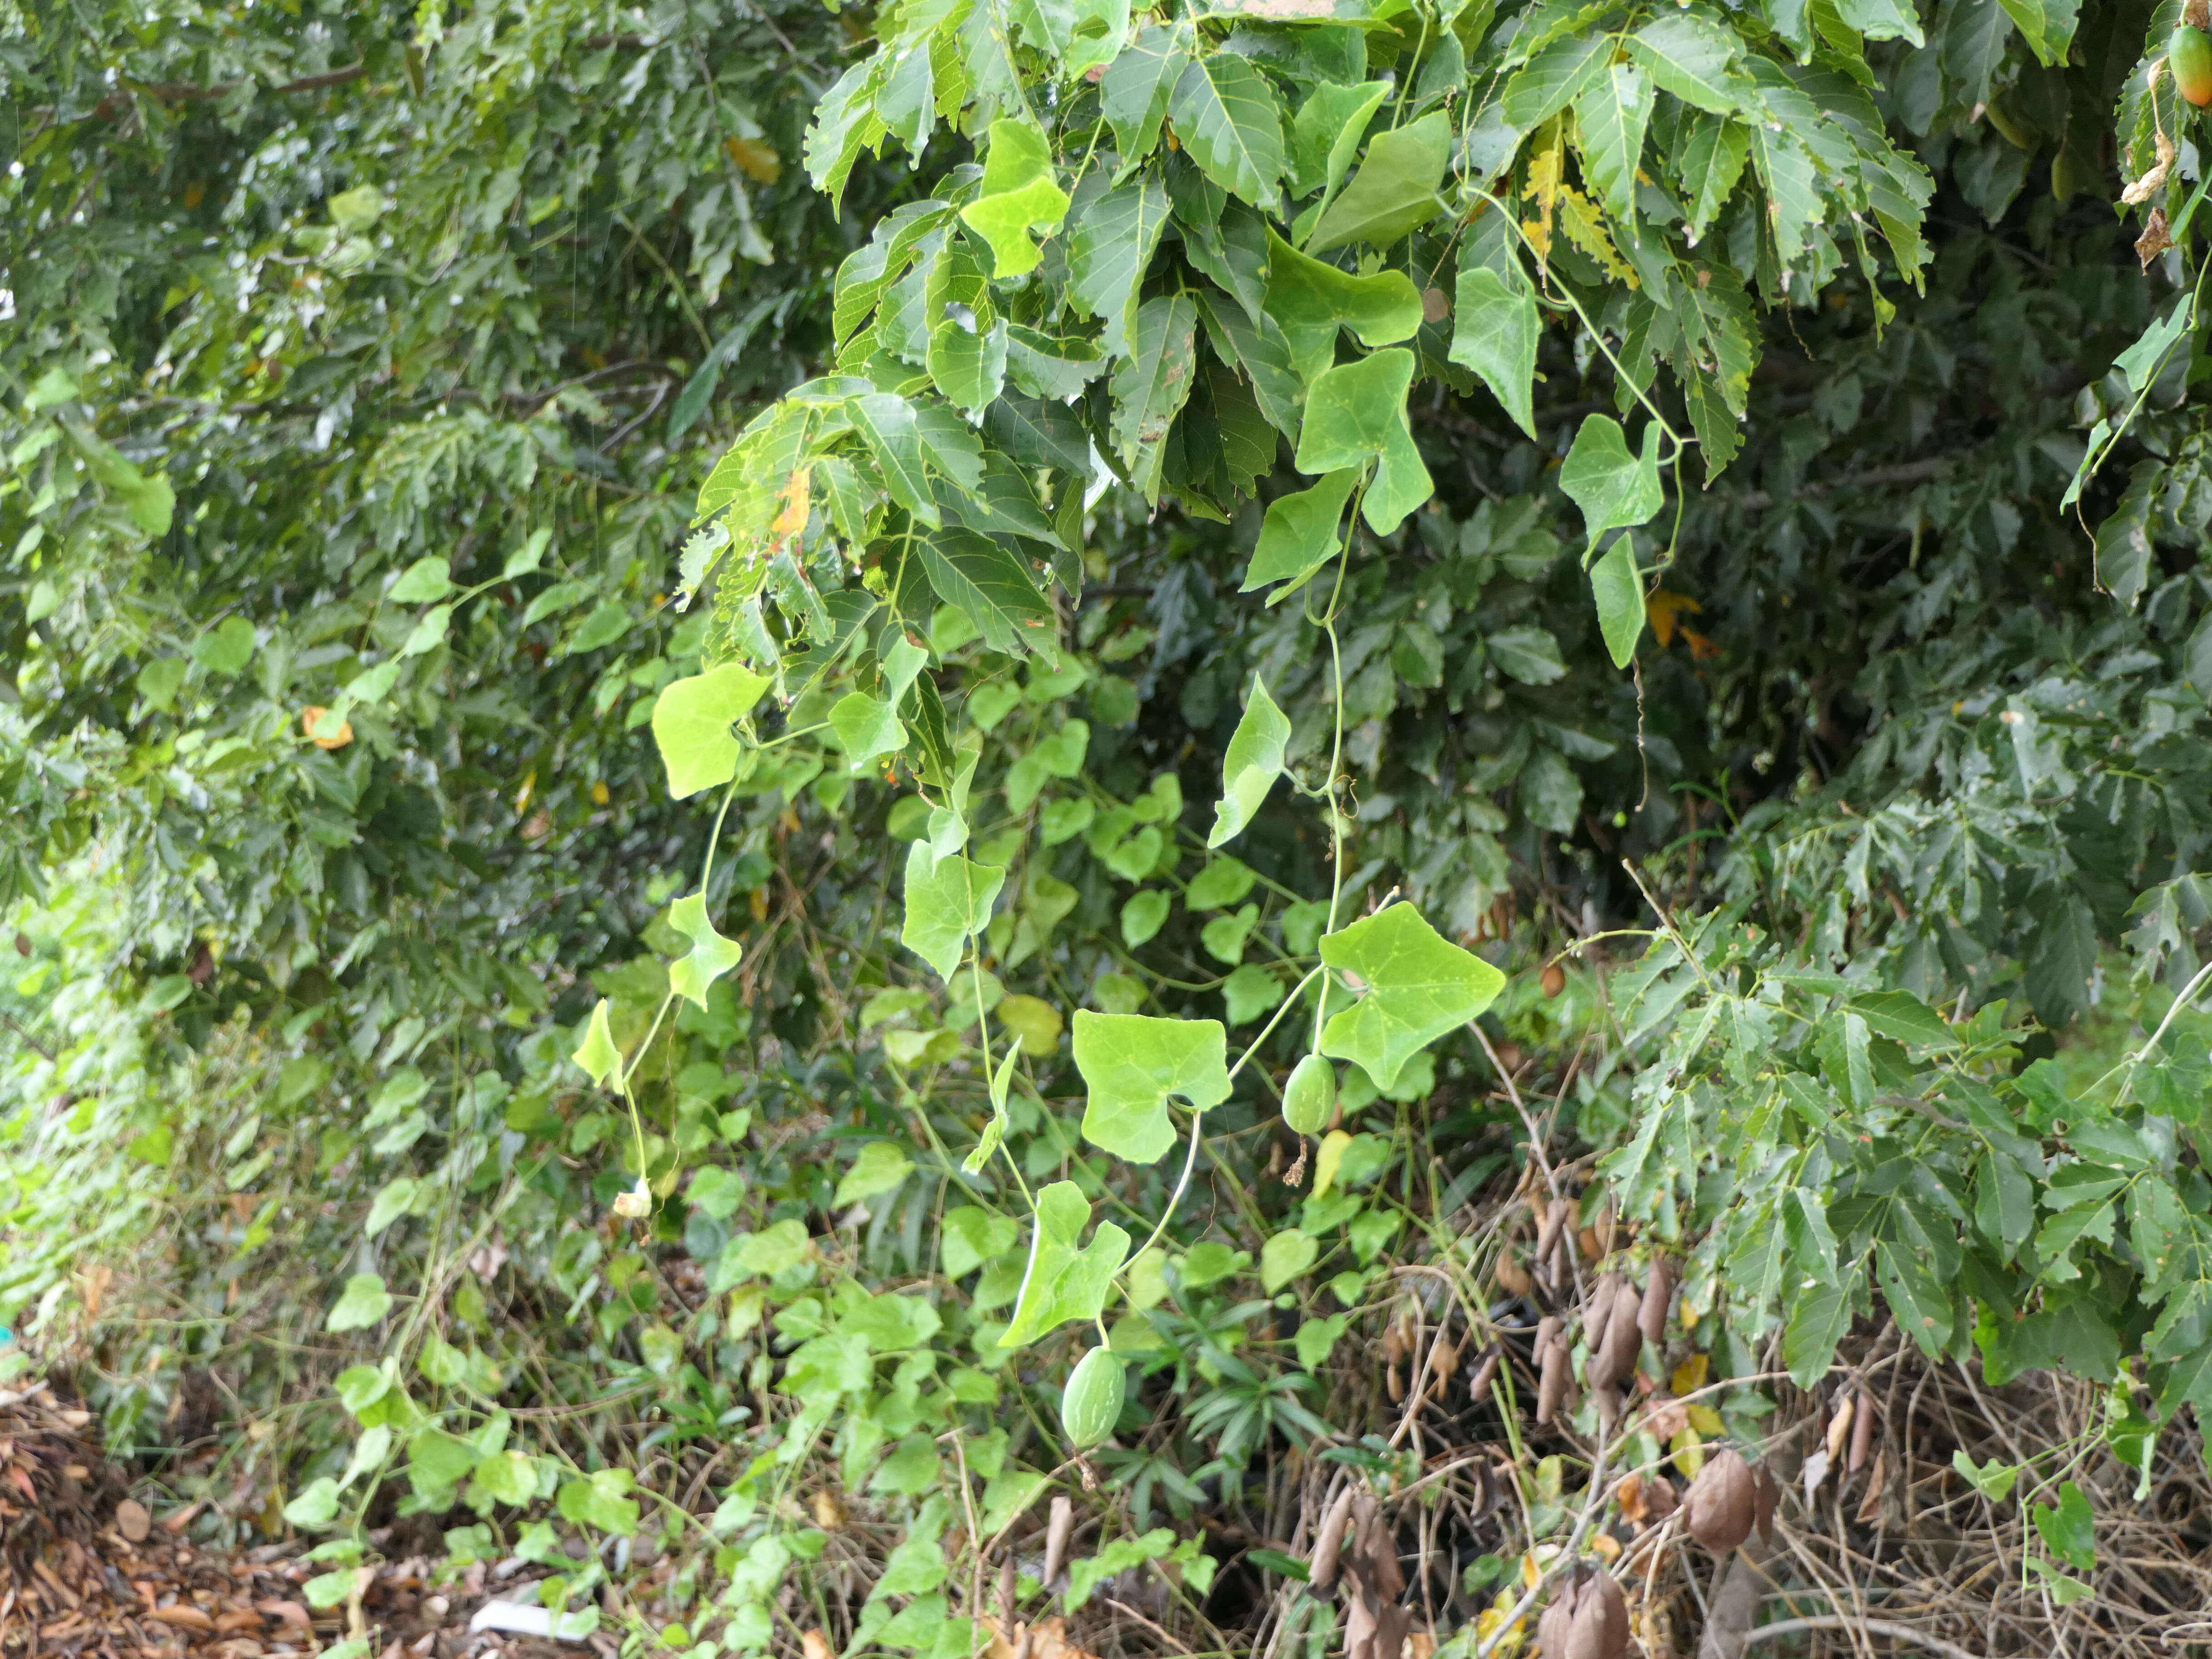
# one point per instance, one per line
(1049, 729)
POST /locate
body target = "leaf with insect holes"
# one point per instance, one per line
(1418, 986)
(1134, 1064)
(1020, 195)
(711, 956)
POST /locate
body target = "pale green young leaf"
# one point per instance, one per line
(1063, 1282)
(597, 1054)
(1225, 881)
(1251, 764)
(882, 1166)
(1144, 915)
(422, 581)
(1227, 117)
(971, 1236)
(1133, 1064)
(1310, 300)
(1285, 1256)
(947, 898)
(1394, 191)
(390, 1203)
(1299, 535)
(1614, 488)
(1020, 195)
(711, 955)
(691, 723)
(1619, 591)
(1689, 54)
(362, 1303)
(1351, 410)
(866, 726)
(1418, 985)
(1494, 334)
(1611, 114)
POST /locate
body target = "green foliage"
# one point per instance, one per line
(351, 430)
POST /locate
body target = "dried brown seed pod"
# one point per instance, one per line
(1862, 1432)
(1486, 1373)
(1558, 1623)
(1563, 1261)
(1552, 1389)
(1394, 1343)
(1623, 1339)
(1766, 1498)
(1608, 1400)
(1720, 1504)
(1597, 1307)
(1055, 1537)
(1329, 1542)
(1551, 1217)
(1599, 1630)
(1511, 1276)
(1658, 1291)
(1395, 1383)
(1839, 1426)
(1660, 1498)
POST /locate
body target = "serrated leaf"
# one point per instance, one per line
(1151, 386)
(1251, 764)
(1619, 590)
(1614, 488)
(887, 425)
(711, 955)
(1310, 301)
(1134, 93)
(1300, 534)
(948, 897)
(1922, 1305)
(1418, 986)
(691, 723)
(2047, 26)
(990, 585)
(1020, 195)
(1819, 1317)
(1611, 115)
(1063, 1282)
(1134, 1064)
(1494, 333)
(1351, 410)
(1793, 198)
(1227, 117)
(597, 1054)
(1554, 77)
(1394, 191)
(1885, 20)
(1109, 252)
(1049, 367)
(1707, 163)
(1903, 1017)
(1689, 55)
